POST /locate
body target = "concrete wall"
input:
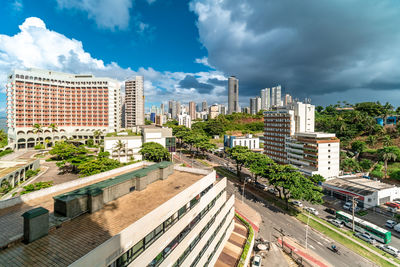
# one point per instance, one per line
(110, 250)
(61, 187)
(19, 175)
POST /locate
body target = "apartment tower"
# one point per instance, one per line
(276, 96)
(265, 98)
(134, 102)
(77, 104)
(233, 95)
(192, 110)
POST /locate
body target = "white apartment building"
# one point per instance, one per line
(162, 215)
(276, 96)
(134, 102)
(252, 142)
(304, 117)
(265, 98)
(185, 120)
(133, 143)
(77, 104)
(314, 153)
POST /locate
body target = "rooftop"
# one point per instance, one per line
(77, 237)
(315, 134)
(7, 167)
(358, 185)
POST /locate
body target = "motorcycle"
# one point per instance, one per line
(334, 249)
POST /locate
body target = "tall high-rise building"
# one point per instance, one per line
(172, 109)
(134, 102)
(162, 107)
(204, 106)
(233, 95)
(258, 104)
(253, 105)
(265, 98)
(213, 111)
(276, 96)
(78, 104)
(192, 110)
(178, 108)
(122, 112)
(288, 100)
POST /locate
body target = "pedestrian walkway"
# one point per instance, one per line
(232, 251)
(249, 214)
(293, 247)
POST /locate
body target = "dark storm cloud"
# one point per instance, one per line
(217, 82)
(191, 82)
(310, 47)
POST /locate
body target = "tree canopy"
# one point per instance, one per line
(153, 151)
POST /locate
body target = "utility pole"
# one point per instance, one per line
(354, 204)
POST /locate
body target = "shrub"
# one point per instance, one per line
(36, 186)
(39, 146)
(31, 173)
(248, 241)
(395, 174)
(366, 164)
(5, 152)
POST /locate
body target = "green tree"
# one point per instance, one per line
(371, 140)
(317, 178)
(96, 135)
(98, 165)
(366, 164)
(52, 127)
(387, 141)
(69, 156)
(37, 129)
(153, 151)
(119, 146)
(3, 138)
(239, 154)
(388, 154)
(349, 165)
(319, 109)
(259, 165)
(358, 146)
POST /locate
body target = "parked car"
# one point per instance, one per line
(330, 211)
(366, 237)
(357, 209)
(272, 190)
(390, 224)
(392, 205)
(397, 227)
(260, 185)
(297, 203)
(347, 205)
(390, 250)
(337, 223)
(256, 261)
(311, 210)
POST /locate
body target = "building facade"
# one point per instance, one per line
(77, 105)
(265, 98)
(192, 110)
(288, 100)
(233, 95)
(214, 111)
(276, 96)
(185, 120)
(314, 153)
(252, 142)
(134, 102)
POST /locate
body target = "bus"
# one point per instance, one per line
(362, 226)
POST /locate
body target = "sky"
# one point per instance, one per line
(328, 51)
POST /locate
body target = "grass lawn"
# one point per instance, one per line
(314, 223)
(393, 166)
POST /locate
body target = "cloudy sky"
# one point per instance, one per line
(326, 50)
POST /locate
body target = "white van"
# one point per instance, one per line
(347, 205)
(397, 227)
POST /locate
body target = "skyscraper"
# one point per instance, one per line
(162, 107)
(288, 100)
(134, 102)
(204, 106)
(192, 110)
(265, 98)
(253, 105)
(233, 95)
(276, 100)
(178, 108)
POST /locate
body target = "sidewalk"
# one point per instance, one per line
(308, 255)
(249, 214)
(354, 240)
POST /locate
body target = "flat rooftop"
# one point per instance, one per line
(358, 185)
(315, 134)
(7, 167)
(77, 237)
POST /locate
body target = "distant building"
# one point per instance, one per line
(162, 108)
(178, 108)
(222, 109)
(153, 117)
(185, 120)
(192, 110)
(265, 98)
(134, 102)
(204, 106)
(252, 142)
(202, 115)
(246, 110)
(288, 100)
(213, 111)
(172, 109)
(276, 98)
(233, 95)
(314, 153)
(253, 105)
(133, 142)
(161, 120)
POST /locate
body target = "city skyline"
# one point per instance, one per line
(134, 43)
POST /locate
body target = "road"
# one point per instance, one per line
(272, 218)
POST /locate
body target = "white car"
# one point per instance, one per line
(390, 250)
(336, 223)
(256, 261)
(390, 224)
(312, 210)
(347, 205)
(366, 237)
(297, 203)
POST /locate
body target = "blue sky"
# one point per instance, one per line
(326, 50)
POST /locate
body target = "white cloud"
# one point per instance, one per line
(17, 5)
(204, 61)
(151, 1)
(110, 14)
(35, 46)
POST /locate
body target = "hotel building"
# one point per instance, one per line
(78, 104)
(314, 153)
(161, 215)
(134, 102)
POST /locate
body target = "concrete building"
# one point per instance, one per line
(78, 104)
(134, 102)
(192, 110)
(178, 108)
(233, 95)
(161, 215)
(314, 153)
(214, 111)
(14, 172)
(222, 109)
(252, 142)
(162, 109)
(123, 112)
(202, 115)
(288, 100)
(133, 142)
(253, 105)
(161, 120)
(265, 98)
(369, 193)
(185, 120)
(304, 117)
(204, 106)
(276, 96)
(172, 109)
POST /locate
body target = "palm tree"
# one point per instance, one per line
(371, 140)
(96, 134)
(387, 141)
(386, 156)
(37, 128)
(119, 146)
(53, 128)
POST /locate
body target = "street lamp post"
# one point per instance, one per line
(308, 220)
